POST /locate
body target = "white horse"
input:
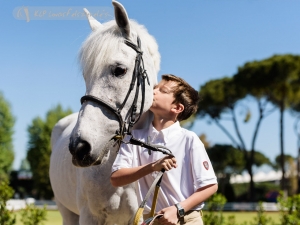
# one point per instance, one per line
(83, 192)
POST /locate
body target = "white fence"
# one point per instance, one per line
(17, 204)
(249, 206)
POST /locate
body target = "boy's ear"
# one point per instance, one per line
(177, 108)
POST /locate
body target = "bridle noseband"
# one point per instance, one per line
(139, 75)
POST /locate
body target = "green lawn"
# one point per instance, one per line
(54, 217)
(241, 217)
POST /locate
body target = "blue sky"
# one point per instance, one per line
(198, 40)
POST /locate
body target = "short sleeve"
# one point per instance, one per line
(203, 171)
(124, 158)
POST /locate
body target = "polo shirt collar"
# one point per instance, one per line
(166, 133)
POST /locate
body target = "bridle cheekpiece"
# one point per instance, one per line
(139, 75)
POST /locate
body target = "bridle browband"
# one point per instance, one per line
(139, 75)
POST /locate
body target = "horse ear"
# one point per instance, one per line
(122, 18)
(94, 24)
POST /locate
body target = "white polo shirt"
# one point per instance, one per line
(194, 169)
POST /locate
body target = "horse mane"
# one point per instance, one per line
(109, 37)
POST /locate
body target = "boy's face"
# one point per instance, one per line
(163, 97)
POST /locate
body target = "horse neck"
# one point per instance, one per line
(113, 152)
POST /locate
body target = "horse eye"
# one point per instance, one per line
(119, 71)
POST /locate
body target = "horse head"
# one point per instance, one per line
(114, 94)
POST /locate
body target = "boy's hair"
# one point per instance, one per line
(185, 95)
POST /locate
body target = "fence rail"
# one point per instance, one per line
(17, 204)
(249, 206)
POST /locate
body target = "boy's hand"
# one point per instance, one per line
(169, 215)
(166, 163)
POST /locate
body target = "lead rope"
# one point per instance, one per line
(154, 200)
(157, 188)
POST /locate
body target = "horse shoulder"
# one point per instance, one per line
(62, 172)
(61, 126)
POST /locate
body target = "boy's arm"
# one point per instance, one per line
(199, 196)
(170, 213)
(126, 176)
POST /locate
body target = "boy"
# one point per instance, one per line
(189, 178)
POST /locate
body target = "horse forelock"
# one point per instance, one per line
(95, 50)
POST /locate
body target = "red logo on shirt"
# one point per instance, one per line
(205, 164)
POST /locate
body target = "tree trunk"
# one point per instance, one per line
(237, 130)
(251, 195)
(298, 167)
(283, 181)
(261, 110)
(227, 133)
(246, 157)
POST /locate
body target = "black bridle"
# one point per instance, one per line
(139, 75)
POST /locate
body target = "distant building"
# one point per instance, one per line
(258, 177)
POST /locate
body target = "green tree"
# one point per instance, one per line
(7, 122)
(277, 80)
(32, 215)
(297, 132)
(289, 209)
(6, 192)
(221, 98)
(25, 166)
(39, 149)
(228, 160)
(295, 110)
(262, 218)
(214, 213)
(204, 140)
(243, 80)
(290, 166)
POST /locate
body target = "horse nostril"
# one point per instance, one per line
(82, 150)
(72, 146)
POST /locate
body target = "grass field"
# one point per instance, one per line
(54, 218)
(241, 217)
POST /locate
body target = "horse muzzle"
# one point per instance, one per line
(81, 153)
